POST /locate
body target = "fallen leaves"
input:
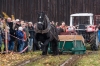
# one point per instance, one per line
(13, 59)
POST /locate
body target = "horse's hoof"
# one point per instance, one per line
(54, 54)
(44, 54)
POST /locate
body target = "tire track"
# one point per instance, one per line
(74, 59)
(23, 63)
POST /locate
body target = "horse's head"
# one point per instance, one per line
(41, 21)
(41, 16)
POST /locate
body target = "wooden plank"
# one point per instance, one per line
(71, 37)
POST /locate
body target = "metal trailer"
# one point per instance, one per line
(70, 43)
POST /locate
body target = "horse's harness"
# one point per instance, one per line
(46, 30)
(42, 31)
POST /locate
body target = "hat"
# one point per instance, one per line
(17, 20)
(30, 22)
(9, 18)
(20, 28)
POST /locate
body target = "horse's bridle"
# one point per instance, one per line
(40, 23)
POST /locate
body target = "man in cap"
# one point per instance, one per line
(17, 25)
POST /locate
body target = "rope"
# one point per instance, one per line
(22, 40)
(16, 37)
(63, 45)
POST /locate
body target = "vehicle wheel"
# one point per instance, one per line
(93, 45)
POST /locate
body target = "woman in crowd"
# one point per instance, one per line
(63, 26)
(31, 35)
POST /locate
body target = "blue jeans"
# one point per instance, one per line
(30, 44)
(0, 40)
(11, 45)
(20, 45)
(99, 36)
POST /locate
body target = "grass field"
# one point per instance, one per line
(90, 60)
(12, 59)
(50, 61)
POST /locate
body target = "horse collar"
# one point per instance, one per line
(43, 31)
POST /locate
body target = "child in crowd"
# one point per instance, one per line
(20, 36)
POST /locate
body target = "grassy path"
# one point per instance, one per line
(90, 60)
(50, 61)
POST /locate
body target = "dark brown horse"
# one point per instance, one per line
(46, 33)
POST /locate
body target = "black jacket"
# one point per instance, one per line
(12, 31)
(31, 32)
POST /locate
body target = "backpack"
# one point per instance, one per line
(25, 38)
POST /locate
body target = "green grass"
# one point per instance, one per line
(90, 60)
(50, 61)
(13, 59)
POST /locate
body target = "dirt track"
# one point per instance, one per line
(23, 63)
(74, 59)
(70, 62)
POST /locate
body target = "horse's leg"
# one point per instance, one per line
(54, 47)
(35, 45)
(45, 47)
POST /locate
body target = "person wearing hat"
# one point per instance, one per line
(16, 26)
(20, 37)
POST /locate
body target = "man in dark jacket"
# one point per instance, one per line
(12, 33)
(17, 25)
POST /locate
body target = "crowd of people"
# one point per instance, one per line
(17, 34)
